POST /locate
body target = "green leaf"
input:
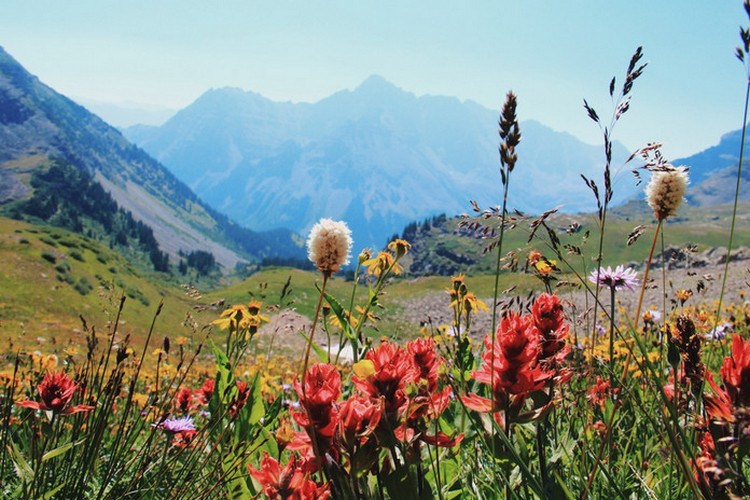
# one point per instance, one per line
(319, 351)
(23, 469)
(339, 311)
(51, 493)
(257, 409)
(60, 450)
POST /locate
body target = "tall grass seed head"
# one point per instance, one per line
(666, 190)
(329, 245)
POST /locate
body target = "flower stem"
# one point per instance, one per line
(645, 276)
(734, 210)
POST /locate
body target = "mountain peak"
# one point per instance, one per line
(376, 85)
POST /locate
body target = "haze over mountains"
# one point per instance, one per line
(377, 157)
(38, 125)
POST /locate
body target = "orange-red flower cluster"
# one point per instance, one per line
(398, 394)
(290, 482)
(524, 357)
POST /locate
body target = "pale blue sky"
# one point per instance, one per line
(553, 54)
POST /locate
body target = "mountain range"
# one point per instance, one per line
(38, 126)
(377, 157)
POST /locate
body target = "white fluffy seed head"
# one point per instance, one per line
(666, 191)
(329, 245)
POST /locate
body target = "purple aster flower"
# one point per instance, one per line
(175, 425)
(620, 277)
(720, 331)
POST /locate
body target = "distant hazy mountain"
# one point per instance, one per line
(127, 114)
(37, 124)
(377, 157)
(713, 172)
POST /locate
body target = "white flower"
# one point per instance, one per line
(329, 245)
(666, 190)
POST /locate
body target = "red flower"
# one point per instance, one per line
(735, 372)
(184, 439)
(426, 362)
(509, 366)
(183, 399)
(291, 482)
(599, 393)
(718, 405)
(547, 312)
(206, 391)
(393, 370)
(238, 402)
(321, 390)
(56, 391)
(358, 419)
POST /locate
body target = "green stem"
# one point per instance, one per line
(734, 210)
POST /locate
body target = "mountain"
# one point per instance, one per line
(713, 172)
(39, 127)
(127, 114)
(376, 156)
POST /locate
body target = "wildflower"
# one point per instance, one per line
(238, 402)
(175, 425)
(599, 392)
(393, 370)
(206, 391)
(56, 392)
(235, 318)
(720, 331)
(545, 267)
(399, 247)
(379, 264)
(322, 388)
(683, 295)
(533, 257)
(358, 419)
(620, 277)
(509, 366)
(651, 317)
(364, 255)
(329, 245)
(292, 481)
(735, 372)
(666, 190)
(547, 313)
(183, 399)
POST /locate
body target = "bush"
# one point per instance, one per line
(49, 257)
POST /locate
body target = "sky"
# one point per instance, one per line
(552, 54)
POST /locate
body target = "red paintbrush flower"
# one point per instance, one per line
(547, 312)
(206, 391)
(183, 400)
(322, 388)
(426, 361)
(290, 482)
(358, 419)
(510, 366)
(735, 372)
(392, 371)
(56, 392)
(238, 402)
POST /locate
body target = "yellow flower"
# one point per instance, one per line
(181, 340)
(364, 369)
(384, 261)
(683, 295)
(472, 303)
(400, 247)
(232, 317)
(545, 267)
